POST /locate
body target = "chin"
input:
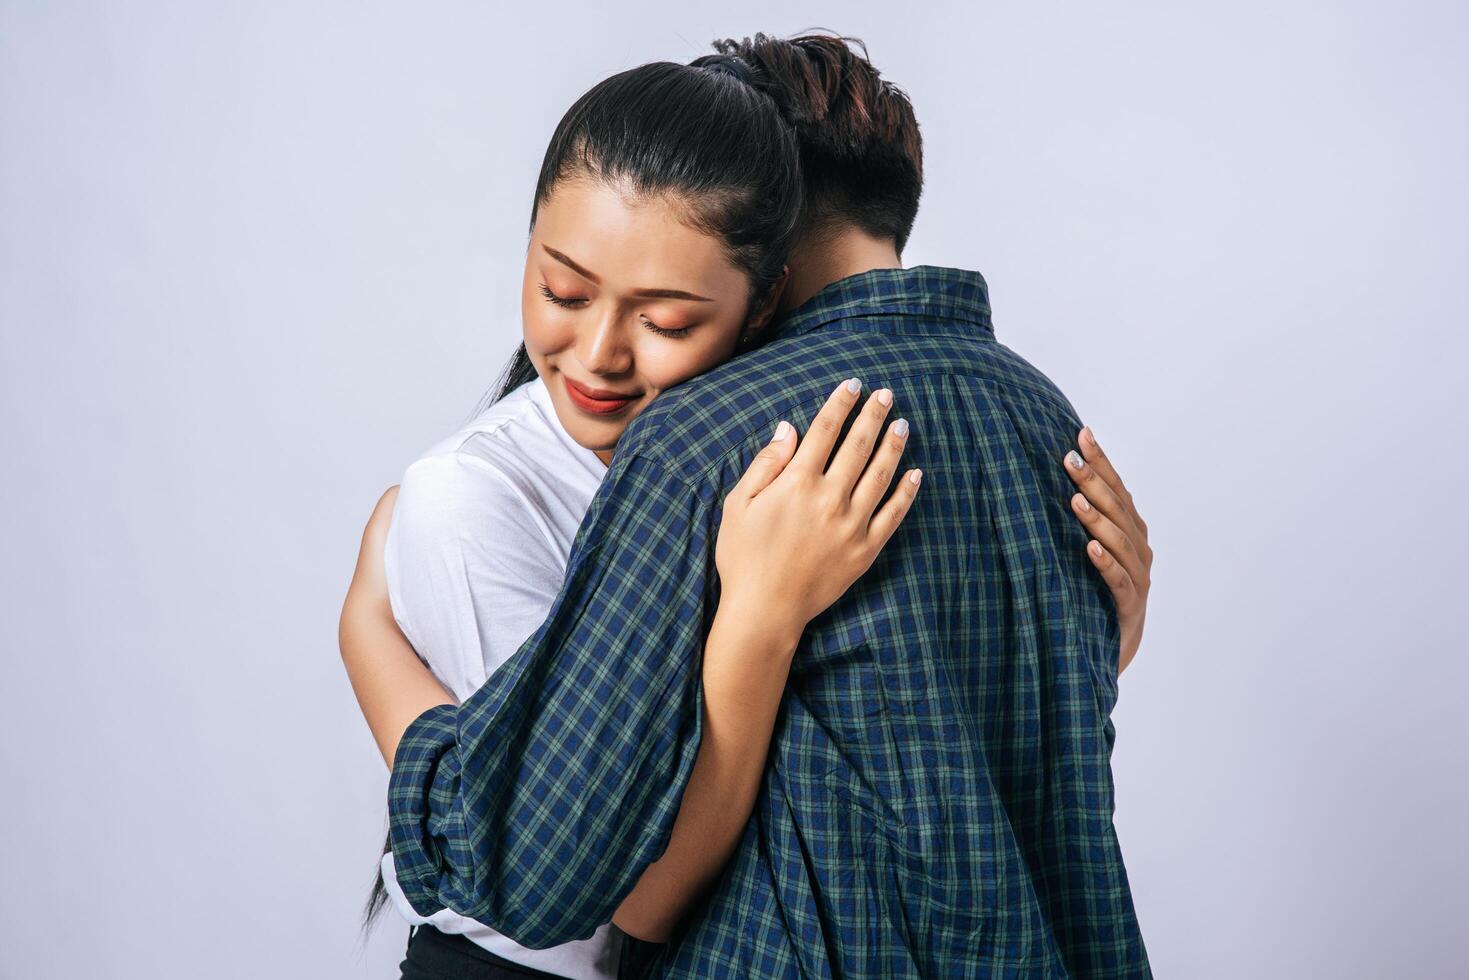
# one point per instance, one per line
(590, 435)
(598, 441)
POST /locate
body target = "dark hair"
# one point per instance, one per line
(708, 135)
(861, 152)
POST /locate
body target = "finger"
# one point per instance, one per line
(1117, 502)
(891, 514)
(821, 434)
(1113, 538)
(768, 462)
(857, 445)
(1124, 590)
(879, 475)
(1102, 463)
(1098, 492)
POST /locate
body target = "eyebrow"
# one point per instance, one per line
(652, 293)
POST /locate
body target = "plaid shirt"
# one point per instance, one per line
(938, 797)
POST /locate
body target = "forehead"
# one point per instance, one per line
(631, 240)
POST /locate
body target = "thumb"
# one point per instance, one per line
(770, 461)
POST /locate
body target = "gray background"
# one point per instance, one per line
(253, 258)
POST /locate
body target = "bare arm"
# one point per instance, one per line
(393, 686)
(787, 549)
(746, 664)
(795, 535)
(747, 659)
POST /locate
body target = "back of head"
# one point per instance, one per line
(861, 152)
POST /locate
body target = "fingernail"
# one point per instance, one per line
(1073, 459)
(1091, 436)
(915, 477)
(1084, 504)
(1095, 548)
(900, 428)
(854, 386)
(782, 431)
(885, 398)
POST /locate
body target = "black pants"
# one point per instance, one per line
(435, 955)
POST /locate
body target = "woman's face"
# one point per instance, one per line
(621, 300)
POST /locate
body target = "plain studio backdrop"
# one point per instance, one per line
(257, 256)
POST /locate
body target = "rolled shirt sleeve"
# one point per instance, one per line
(536, 804)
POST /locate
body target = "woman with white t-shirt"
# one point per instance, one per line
(679, 187)
(511, 484)
(643, 191)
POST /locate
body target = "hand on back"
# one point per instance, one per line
(1119, 547)
(797, 533)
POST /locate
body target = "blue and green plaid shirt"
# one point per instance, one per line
(938, 797)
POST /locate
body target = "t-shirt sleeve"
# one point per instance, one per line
(470, 573)
(536, 805)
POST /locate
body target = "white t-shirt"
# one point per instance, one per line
(475, 556)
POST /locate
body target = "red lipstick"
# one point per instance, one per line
(598, 401)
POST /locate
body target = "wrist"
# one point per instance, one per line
(759, 622)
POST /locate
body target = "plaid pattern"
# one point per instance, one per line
(938, 798)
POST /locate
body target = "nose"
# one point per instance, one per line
(602, 348)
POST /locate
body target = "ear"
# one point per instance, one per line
(759, 318)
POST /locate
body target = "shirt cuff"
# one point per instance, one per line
(422, 791)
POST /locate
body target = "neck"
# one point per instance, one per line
(824, 256)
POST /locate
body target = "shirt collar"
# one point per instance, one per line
(923, 290)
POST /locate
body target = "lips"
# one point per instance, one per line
(596, 400)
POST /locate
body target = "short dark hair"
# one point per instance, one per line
(861, 151)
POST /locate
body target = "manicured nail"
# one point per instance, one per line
(854, 385)
(900, 428)
(915, 477)
(885, 398)
(1091, 436)
(1095, 548)
(782, 431)
(1083, 503)
(1073, 459)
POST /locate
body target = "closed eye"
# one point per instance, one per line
(559, 300)
(680, 332)
(572, 303)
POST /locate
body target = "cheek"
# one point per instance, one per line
(545, 332)
(665, 361)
